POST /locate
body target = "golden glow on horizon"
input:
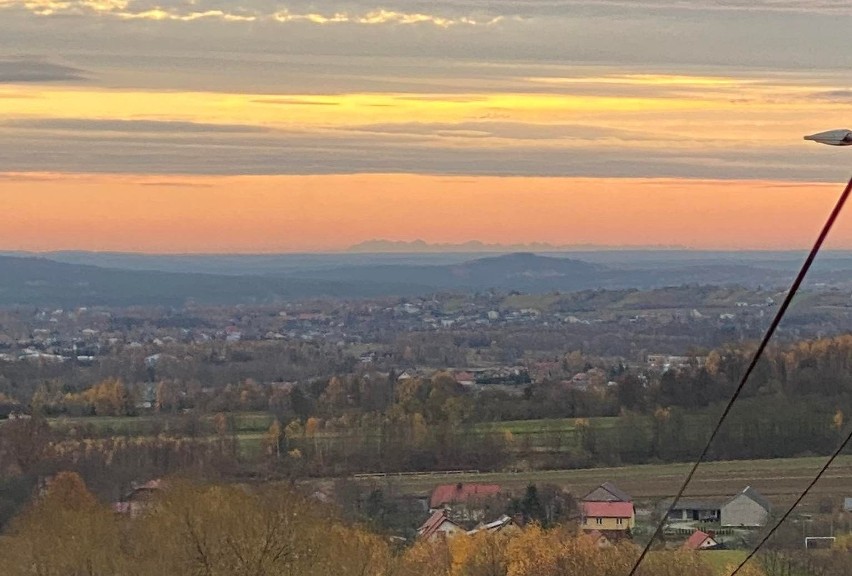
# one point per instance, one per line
(664, 111)
(307, 213)
(670, 114)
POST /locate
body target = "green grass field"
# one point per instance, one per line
(542, 426)
(251, 426)
(723, 561)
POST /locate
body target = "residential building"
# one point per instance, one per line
(138, 498)
(503, 525)
(748, 509)
(463, 501)
(700, 541)
(607, 492)
(607, 508)
(606, 516)
(438, 526)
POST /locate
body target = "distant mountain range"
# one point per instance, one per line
(87, 279)
(473, 246)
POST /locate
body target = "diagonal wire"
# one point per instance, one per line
(795, 504)
(758, 353)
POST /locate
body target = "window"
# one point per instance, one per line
(599, 520)
(619, 521)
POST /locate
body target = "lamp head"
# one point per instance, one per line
(832, 137)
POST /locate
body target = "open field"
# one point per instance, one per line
(781, 480)
(142, 425)
(545, 426)
(260, 421)
(251, 426)
(723, 561)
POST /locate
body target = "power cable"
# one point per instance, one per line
(789, 511)
(788, 299)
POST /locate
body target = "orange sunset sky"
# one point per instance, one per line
(190, 127)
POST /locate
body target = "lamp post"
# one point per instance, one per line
(834, 138)
(837, 137)
(842, 137)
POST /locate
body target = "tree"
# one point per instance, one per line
(23, 444)
(65, 532)
(530, 506)
(272, 439)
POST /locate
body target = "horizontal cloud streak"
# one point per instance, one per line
(190, 11)
(441, 13)
(435, 152)
(23, 71)
(128, 126)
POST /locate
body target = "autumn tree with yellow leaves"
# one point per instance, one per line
(234, 530)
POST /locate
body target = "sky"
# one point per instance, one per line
(265, 126)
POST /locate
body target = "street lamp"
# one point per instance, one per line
(832, 138)
(841, 137)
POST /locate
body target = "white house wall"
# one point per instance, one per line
(743, 511)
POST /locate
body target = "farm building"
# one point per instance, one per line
(694, 510)
(748, 509)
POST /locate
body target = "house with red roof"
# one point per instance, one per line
(439, 525)
(463, 501)
(606, 516)
(700, 541)
(607, 509)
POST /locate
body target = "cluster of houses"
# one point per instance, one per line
(607, 514)
(452, 505)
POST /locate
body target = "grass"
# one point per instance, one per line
(542, 426)
(138, 425)
(723, 561)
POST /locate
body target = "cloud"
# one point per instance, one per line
(512, 131)
(438, 13)
(175, 184)
(842, 96)
(272, 153)
(248, 12)
(129, 126)
(23, 70)
(295, 101)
